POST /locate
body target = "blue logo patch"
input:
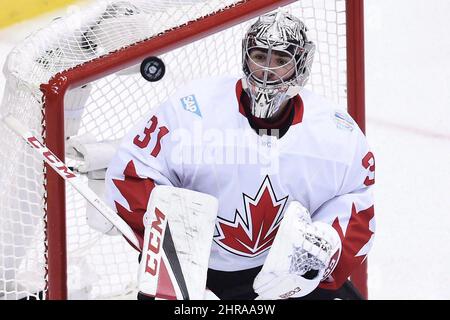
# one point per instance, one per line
(343, 121)
(190, 104)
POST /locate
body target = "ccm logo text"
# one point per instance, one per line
(154, 244)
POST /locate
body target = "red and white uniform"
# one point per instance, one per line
(201, 139)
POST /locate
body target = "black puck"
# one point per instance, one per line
(153, 69)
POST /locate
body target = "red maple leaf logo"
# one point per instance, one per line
(252, 234)
(136, 191)
(355, 243)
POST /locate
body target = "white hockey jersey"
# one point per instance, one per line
(200, 139)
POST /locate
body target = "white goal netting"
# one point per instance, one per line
(102, 266)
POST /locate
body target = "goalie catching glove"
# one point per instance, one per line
(302, 255)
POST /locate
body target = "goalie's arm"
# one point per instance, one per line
(351, 214)
(141, 163)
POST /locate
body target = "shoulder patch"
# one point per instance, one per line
(190, 104)
(343, 121)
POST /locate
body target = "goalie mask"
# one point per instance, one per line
(277, 59)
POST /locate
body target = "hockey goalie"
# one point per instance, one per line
(293, 175)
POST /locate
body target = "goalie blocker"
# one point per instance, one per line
(179, 225)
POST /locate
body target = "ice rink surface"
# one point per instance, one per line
(408, 127)
(408, 114)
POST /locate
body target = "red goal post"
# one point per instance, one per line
(343, 60)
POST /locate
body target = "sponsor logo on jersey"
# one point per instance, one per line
(190, 104)
(253, 231)
(343, 121)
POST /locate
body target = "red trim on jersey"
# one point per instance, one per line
(299, 110)
(244, 104)
(238, 97)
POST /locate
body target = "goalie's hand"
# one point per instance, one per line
(303, 254)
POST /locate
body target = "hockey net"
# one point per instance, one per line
(80, 76)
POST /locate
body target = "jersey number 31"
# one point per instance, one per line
(143, 140)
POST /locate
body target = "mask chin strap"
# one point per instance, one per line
(291, 92)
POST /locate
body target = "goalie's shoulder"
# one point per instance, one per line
(199, 101)
(201, 98)
(323, 111)
(331, 124)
